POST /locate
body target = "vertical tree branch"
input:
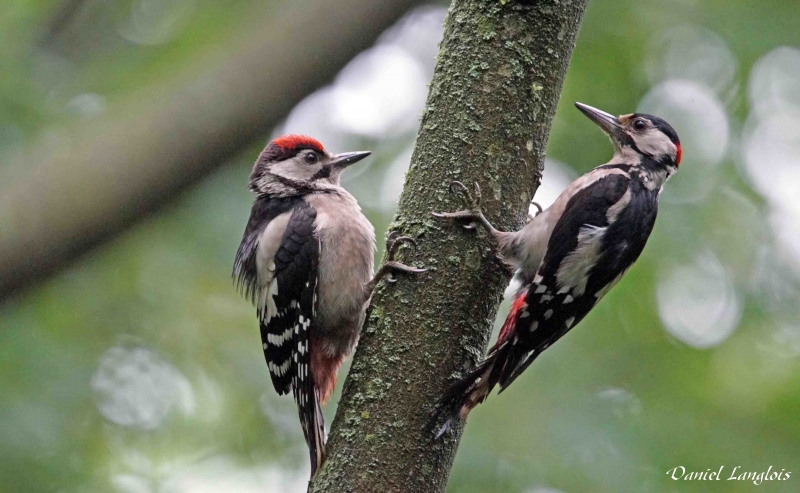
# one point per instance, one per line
(500, 70)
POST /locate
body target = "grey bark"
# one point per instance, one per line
(497, 81)
(102, 175)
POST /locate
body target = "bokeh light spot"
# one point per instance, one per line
(697, 302)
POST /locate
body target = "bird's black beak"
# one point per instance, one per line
(608, 122)
(345, 159)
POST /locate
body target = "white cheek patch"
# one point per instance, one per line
(293, 169)
(655, 143)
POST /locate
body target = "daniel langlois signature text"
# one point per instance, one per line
(732, 474)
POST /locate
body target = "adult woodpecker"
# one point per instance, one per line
(306, 262)
(572, 253)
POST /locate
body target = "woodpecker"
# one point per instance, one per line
(306, 262)
(572, 253)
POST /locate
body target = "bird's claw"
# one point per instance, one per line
(472, 213)
(474, 201)
(398, 267)
(394, 242)
(539, 210)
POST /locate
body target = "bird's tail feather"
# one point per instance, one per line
(316, 442)
(469, 391)
(514, 371)
(313, 424)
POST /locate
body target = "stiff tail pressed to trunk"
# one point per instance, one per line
(499, 367)
(313, 425)
(571, 254)
(463, 395)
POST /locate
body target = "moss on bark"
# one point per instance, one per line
(499, 73)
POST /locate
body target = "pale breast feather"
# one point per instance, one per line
(345, 267)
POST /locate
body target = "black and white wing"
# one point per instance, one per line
(284, 290)
(286, 322)
(601, 233)
(286, 309)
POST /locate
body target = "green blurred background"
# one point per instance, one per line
(138, 368)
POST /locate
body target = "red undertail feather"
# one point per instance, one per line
(678, 155)
(508, 326)
(473, 388)
(324, 369)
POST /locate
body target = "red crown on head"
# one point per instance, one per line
(292, 142)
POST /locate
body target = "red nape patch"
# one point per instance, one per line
(511, 321)
(678, 155)
(292, 142)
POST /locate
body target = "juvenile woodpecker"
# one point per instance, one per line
(572, 253)
(306, 262)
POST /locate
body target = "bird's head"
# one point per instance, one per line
(297, 164)
(638, 135)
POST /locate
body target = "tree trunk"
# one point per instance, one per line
(104, 174)
(500, 70)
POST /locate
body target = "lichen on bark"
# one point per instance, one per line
(498, 76)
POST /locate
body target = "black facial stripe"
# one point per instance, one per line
(324, 172)
(627, 141)
(655, 164)
(301, 186)
(624, 167)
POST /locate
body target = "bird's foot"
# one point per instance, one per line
(391, 266)
(470, 216)
(393, 243)
(539, 211)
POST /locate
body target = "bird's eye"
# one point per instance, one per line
(639, 124)
(311, 158)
